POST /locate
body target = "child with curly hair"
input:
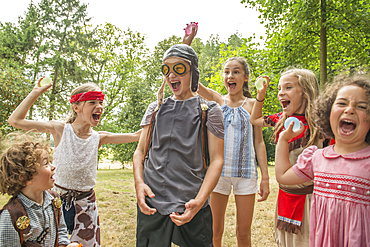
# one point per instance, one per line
(340, 210)
(33, 215)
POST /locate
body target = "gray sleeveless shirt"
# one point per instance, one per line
(174, 170)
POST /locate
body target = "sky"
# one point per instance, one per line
(160, 19)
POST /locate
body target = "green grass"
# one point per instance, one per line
(116, 198)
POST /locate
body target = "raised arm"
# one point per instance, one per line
(210, 94)
(283, 169)
(141, 188)
(203, 91)
(256, 115)
(216, 154)
(189, 38)
(18, 117)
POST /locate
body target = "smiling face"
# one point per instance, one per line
(89, 111)
(43, 179)
(180, 85)
(349, 119)
(291, 96)
(234, 77)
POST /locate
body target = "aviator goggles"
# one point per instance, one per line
(179, 69)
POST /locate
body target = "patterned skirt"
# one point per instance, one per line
(86, 228)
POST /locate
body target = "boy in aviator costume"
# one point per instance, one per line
(175, 177)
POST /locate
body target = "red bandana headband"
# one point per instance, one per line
(91, 95)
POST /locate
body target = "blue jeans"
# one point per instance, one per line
(69, 216)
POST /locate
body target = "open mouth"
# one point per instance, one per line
(347, 126)
(285, 103)
(96, 116)
(175, 85)
(232, 85)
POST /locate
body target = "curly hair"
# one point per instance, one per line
(310, 87)
(18, 164)
(87, 87)
(326, 100)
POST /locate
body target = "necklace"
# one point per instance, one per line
(79, 133)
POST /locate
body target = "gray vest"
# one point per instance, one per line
(174, 169)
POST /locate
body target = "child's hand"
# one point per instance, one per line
(43, 88)
(75, 245)
(143, 190)
(192, 207)
(264, 190)
(189, 38)
(289, 133)
(265, 85)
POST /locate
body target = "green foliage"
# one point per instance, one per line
(55, 37)
(116, 65)
(249, 50)
(14, 88)
(294, 30)
(269, 143)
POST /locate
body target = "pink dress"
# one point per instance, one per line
(340, 209)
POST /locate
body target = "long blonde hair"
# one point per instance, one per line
(308, 82)
(87, 87)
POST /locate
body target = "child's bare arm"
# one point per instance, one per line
(18, 117)
(256, 115)
(283, 170)
(117, 138)
(189, 38)
(141, 188)
(203, 91)
(210, 94)
(260, 147)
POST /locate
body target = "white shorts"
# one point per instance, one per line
(241, 186)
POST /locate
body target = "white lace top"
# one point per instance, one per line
(76, 160)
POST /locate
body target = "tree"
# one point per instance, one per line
(309, 33)
(115, 64)
(14, 87)
(251, 52)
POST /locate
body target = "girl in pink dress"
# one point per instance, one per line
(340, 210)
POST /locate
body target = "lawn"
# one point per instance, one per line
(116, 198)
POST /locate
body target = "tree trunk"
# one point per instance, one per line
(323, 46)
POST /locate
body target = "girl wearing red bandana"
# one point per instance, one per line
(298, 88)
(75, 155)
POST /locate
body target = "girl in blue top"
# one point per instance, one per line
(242, 143)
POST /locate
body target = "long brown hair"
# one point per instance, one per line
(244, 63)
